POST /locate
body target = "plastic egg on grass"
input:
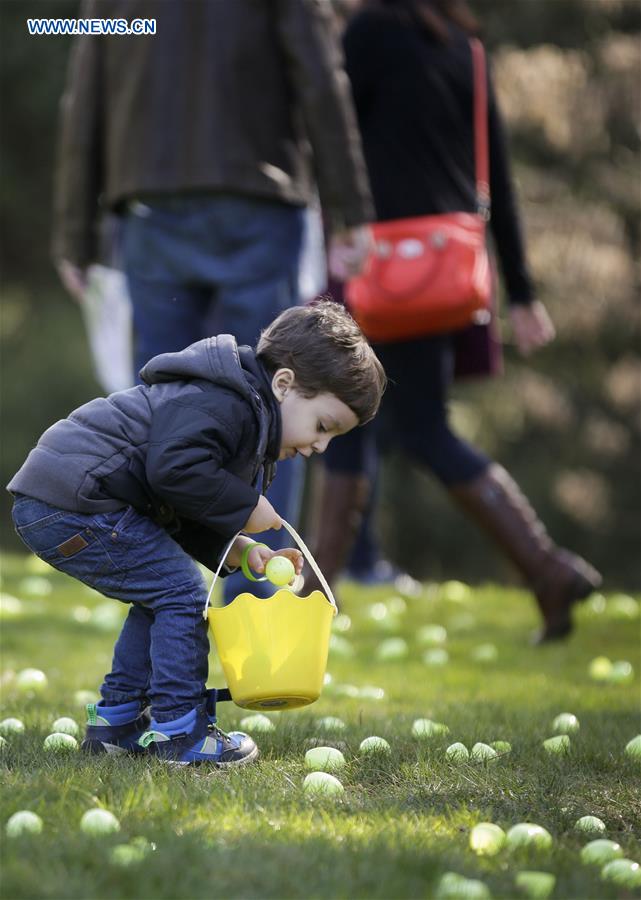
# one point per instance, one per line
(280, 570)
(621, 672)
(436, 656)
(408, 586)
(65, 725)
(528, 835)
(371, 692)
(396, 605)
(590, 825)
(558, 745)
(432, 635)
(35, 586)
(99, 822)
(483, 752)
(330, 723)
(324, 759)
(622, 606)
(633, 748)
(426, 729)
(623, 872)
(81, 614)
(487, 839)
(485, 653)
(60, 742)
(11, 726)
(127, 854)
(600, 668)
(31, 680)
(537, 885)
(381, 616)
(501, 746)
(257, 723)
(457, 752)
(346, 690)
(600, 852)
(23, 822)
(392, 649)
(322, 783)
(565, 723)
(455, 591)
(374, 744)
(340, 647)
(341, 622)
(10, 607)
(107, 617)
(456, 887)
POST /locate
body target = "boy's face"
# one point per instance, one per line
(309, 423)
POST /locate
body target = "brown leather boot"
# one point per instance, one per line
(557, 577)
(340, 503)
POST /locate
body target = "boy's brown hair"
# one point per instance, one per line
(328, 353)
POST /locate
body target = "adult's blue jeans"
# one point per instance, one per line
(218, 263)
(162, 650)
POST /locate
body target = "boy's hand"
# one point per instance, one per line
(262, 518)
(258, 557)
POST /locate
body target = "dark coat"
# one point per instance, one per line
(187, 448)
(228, 95)
(414, 101)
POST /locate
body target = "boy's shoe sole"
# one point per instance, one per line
(234, 749)
(94, 747)
(245, 760)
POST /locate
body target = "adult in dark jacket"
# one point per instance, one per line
(129, 489)
(206, 138)
(410, 67)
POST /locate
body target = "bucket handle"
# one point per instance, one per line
(306, 553)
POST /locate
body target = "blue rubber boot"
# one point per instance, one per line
(194, 739)
(115, 729)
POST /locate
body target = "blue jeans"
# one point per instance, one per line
(203, 264)
(162, 651)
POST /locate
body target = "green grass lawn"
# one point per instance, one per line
(403, 820)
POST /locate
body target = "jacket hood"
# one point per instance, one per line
(220, 360)
(214, 359)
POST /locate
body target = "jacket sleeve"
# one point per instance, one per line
(317, 77)
(78, 174)
(188, 451)
(505, 222)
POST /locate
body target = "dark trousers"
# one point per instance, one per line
(414, 419)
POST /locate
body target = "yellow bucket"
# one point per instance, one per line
(274, 651)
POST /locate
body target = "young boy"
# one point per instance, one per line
(127, 491)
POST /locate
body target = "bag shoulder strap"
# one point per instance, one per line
(481, 152)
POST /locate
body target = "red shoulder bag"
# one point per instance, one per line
(430, 274)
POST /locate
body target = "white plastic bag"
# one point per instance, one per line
(108, 320)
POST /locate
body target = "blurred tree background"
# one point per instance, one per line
(566, 423)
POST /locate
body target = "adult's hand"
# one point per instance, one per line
(73, 278)
(532, 327)
(348, 251)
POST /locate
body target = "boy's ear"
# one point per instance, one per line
(283, 381)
